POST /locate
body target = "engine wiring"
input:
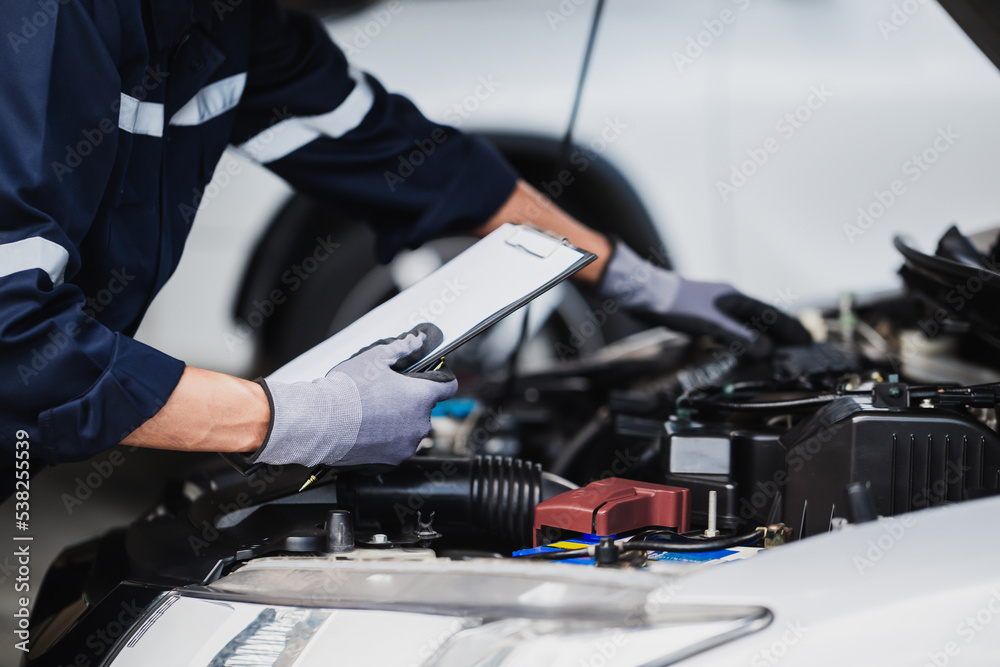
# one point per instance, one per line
(695, 546)
(809, 401)
(985, 395)
(687, 546)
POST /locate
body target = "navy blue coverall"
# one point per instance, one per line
(115, 113)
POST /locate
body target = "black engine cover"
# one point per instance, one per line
(910, 458)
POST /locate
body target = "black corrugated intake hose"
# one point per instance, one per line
(489, 497)
(504, 492)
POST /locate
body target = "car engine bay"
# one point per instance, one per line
(653, 453)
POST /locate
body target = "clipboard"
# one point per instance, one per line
(499, 274)
(496, 276)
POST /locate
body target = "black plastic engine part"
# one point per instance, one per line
(339, 531)
(935, 279)
(484, 497)
(860, 503)
(909, 458)
(745, 468)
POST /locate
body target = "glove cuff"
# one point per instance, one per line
(613, 241)
(270, 422)
(636, 284)
(312, 422)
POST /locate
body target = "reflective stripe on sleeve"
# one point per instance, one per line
(287, 136)
(138, 117)
(34, 253)
(211, 101)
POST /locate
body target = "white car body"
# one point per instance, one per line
(896, 116)
(905, 590)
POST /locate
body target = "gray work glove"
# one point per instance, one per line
(365, 411)
(718, 310)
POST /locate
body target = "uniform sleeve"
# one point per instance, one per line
(73, 384)
(336, 134)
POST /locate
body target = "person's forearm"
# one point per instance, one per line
(528, 205)
(208, 412)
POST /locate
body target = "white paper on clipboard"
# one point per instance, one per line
(496, 276)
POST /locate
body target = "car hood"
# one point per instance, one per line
(894, 586)
(980, 19)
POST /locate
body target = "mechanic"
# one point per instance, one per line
(116, 111)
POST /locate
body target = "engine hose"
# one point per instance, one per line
(504, 493)
(487, 497)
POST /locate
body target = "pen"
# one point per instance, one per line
(312, 478)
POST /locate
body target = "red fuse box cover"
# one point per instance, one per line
(613, 506)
